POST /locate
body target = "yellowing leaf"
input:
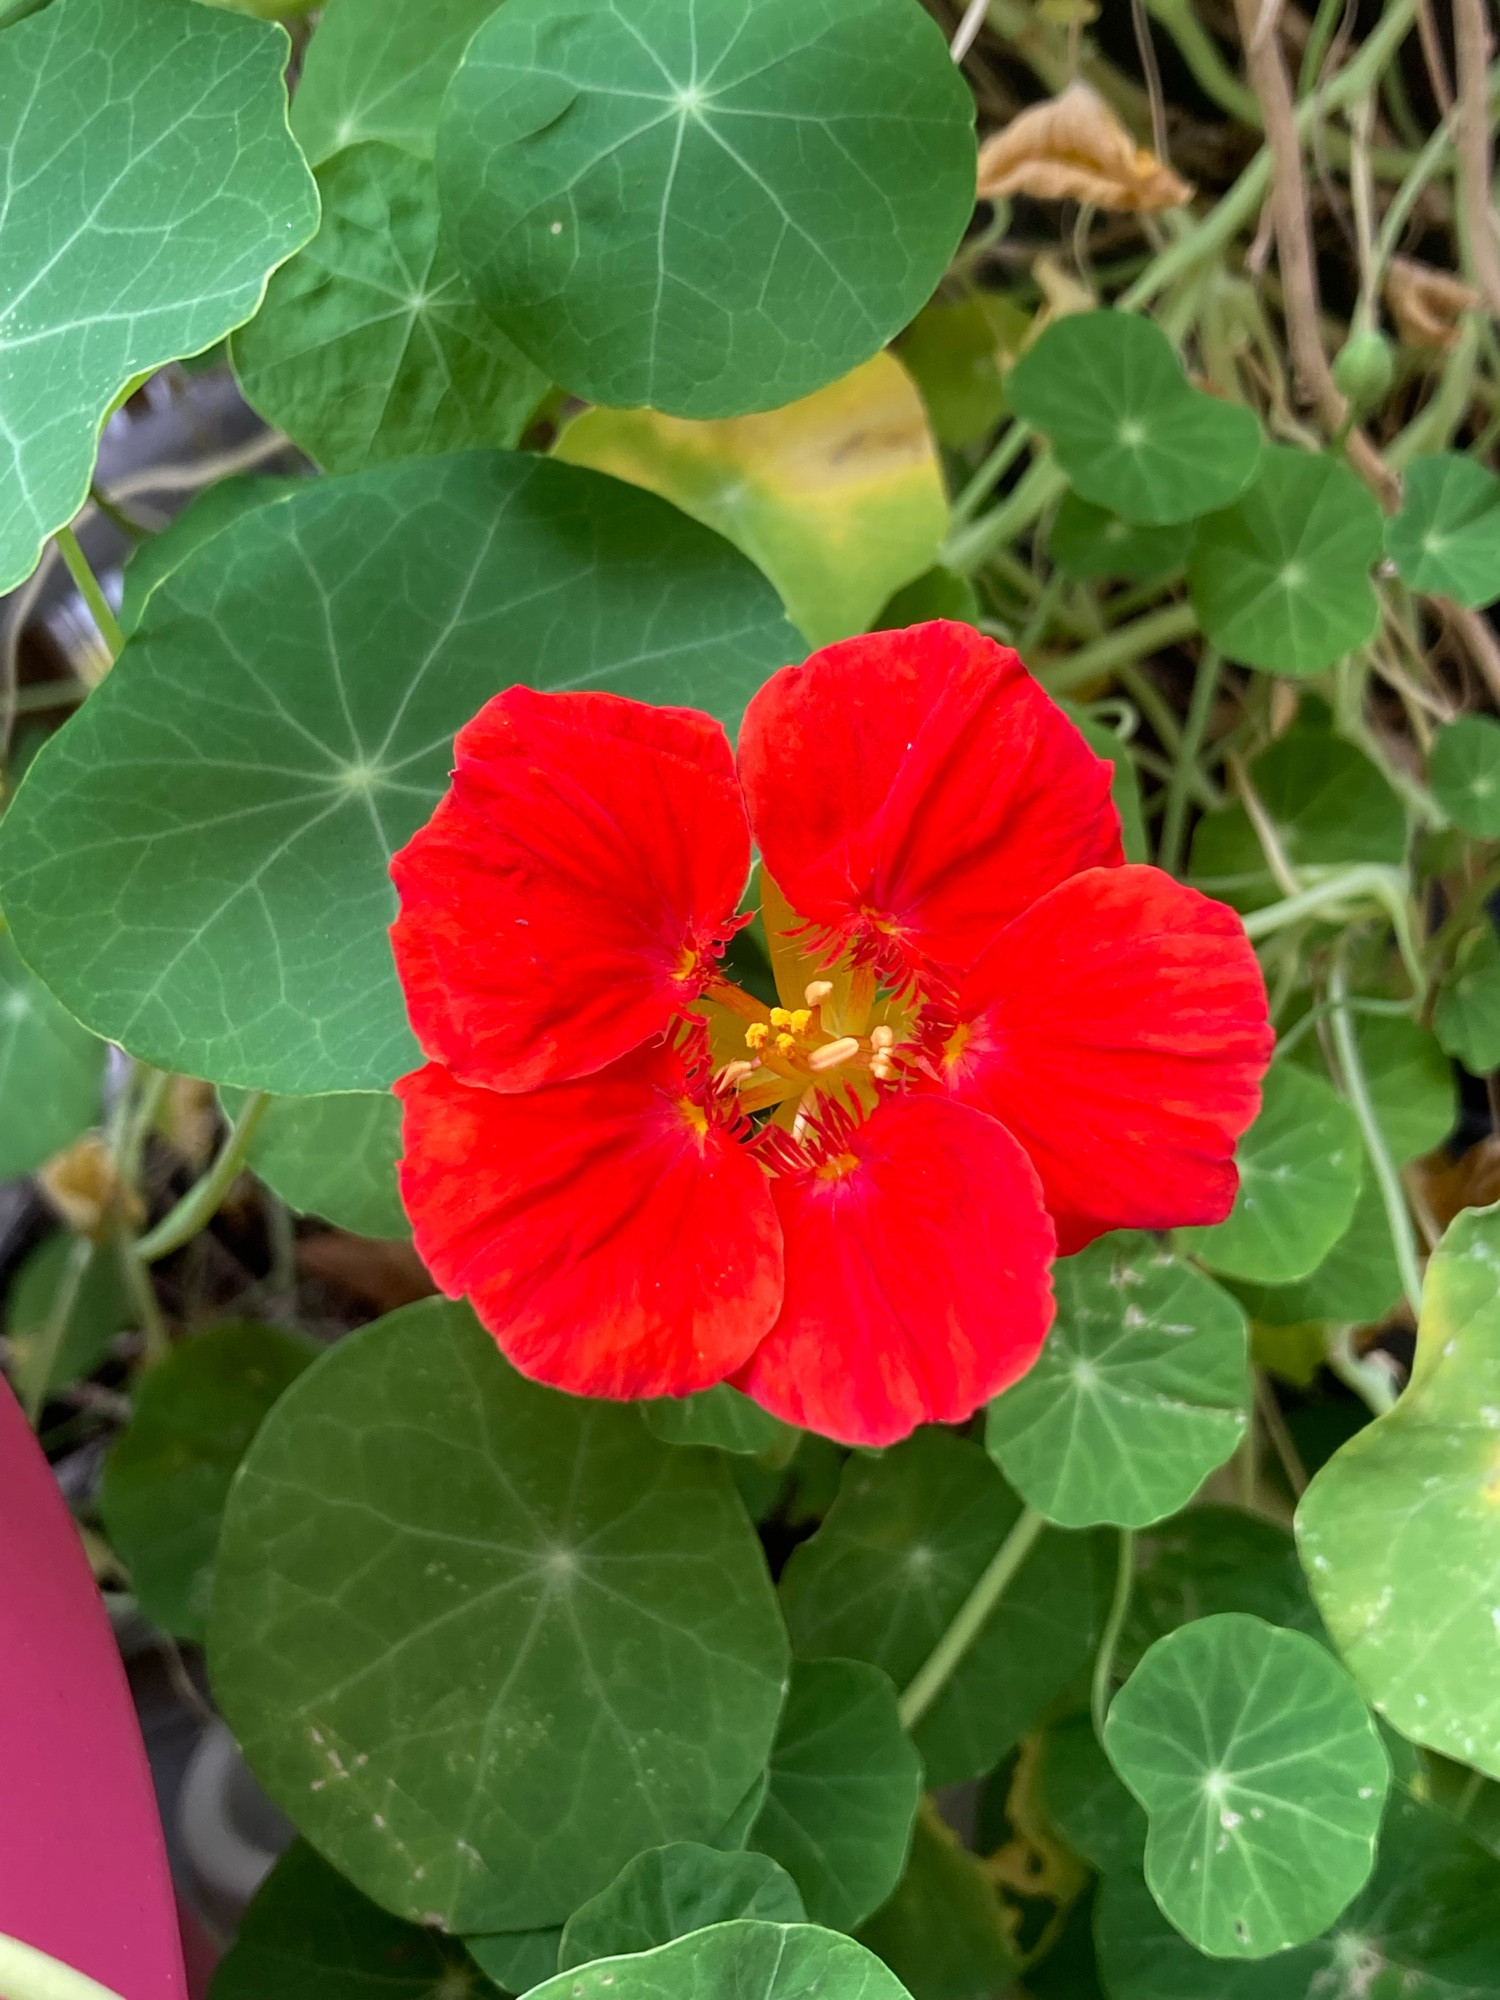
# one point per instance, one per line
(839, 497)
(1074, 148)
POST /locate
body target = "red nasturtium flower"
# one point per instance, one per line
(996, 1038)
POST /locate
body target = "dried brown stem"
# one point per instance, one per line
(1472, 41)
(1432, 56)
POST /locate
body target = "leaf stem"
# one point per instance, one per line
(44, 1360)
(1013, 441)
(1042, 482)
(29, 1974)
(201, 1202)
(1366, 878)
(90, 590)
(1184, 766)
(1120, 647)
(1388, 1178)
(937, 1669)
(1109, 1638)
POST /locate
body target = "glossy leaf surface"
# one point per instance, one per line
(751, 1960)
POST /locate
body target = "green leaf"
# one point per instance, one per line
(1211, 1560)
(517, 1960)
(1138, 1394)
(1281, 580)
(1400, 1530)
(746, 1959)
(147, 235)
(838, 498)
(1087, 1803)
(1142, 1957)
(310, 1935)
(1086, 541)
(1357, 1282)
(200, 520)
(721, 1417)
(845, 1783)
(1463, 769)
(1263, 1777)
(1467, 1015)
(420, 1533)
(332, 1156)
(369, 345)
(168, 1473)
(904, 1543)
(1125, 788)
(710, 210)
(377, 71)
(1411, 1083)
(944, 1932)
(51, 1070)
(1126, 426)
(197, 863)
(1446, 539)
(40, 1320)
(936, 593)
(953, 353)
(669, 1891)
(1299, 1179)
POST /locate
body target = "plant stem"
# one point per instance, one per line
(1109, 1639)
(90, 591)
(29, 1974)
(1134, 641)
(1368, 1379)
(1357, 1090)
(1041, 484)
(201, 1202)
(1013, 441)
(1366, 878)
(1205, 687)
(937, 1669)
(74, 1271)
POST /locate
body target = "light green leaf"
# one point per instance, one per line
(746, 1959)
(1087, 1803)
(1281, 580)
(1138, 1394)
(378, 71)
(200, 520)
(197, 863)
(1088, 541)
(418, 1532)
(1446, 539)
(1467, 1015)
(711, 209)
(1400, 1530)
(902, 1546)
(369, 345)
(1211, 1560)
(167, 1476)
(669, 1891)
(310, 1935)
(838, 498)
(1464, 771)
(517, 1960)
(1411, 1083)
(40, 1320)
(944, 1933)
(332, 1156)
(845, 1782)
(51, 1070)
(1263, 1777)
(1126, 426)
(147, 235)
(723, 1418)
(1357, 1282)
(1299, 1178)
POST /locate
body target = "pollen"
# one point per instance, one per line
(786, 1044)
(757, 1035)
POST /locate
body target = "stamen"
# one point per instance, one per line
(780, 1018)
(800, 1020)
(817, 991)
(786, 1044)
(833, 1053)
(733, 1073)
(882, 1037)
(757, 1035)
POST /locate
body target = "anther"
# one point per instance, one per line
(734, 1073)
(881, 1066)
(780, 1018)
(882, 1037)
(833, 1053)
(817, 991)
(786, 1044)
(757, 1035)
(801, 1020)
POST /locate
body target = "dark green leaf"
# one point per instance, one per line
(1357, 1282)
(53, 1310)
(1139, 1393)
(669, 1891)
(1210, 1560)
(845, 1782)
(937, 593)
(1446, 539)
(51, 1070)
(1281, 579)
(149, 233)
(721, 1417)
(1125, 789)
(952, 352)
(1263, 1777)
(369, 345)
(745, 1959)
(904, 1543)
(517, 1960)
(332, 1156)
(1088, 541)
(944, 1932)
(1086, 1802)
(378, 71)
(1467, 1015)
(200, 520)
(438, 1582)
(1410, 1080)
(197, 863)
(708, 211)
(1464, 771)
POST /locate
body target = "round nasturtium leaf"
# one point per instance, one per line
(1088, 541)
(746, 1958)
(515, 1960)
(369, 346)
(204, 516)
(1299, 1167)
(331, 1156)
(167, 1476)
(666, 1892)
(53, 1342)
(1281, 579)
(1464, 771)
(1446, 539)
(845, 1786)
(1139, 1393)
(1466, 1018)
(708, 209)
(723, 1418)
(1357, 1282)
(1400, 1530)
(440, 1584)
(1213, 1559)
(197, 863)
(51, 1069)
(838, 498)
(1263, 1777)
(374, 71)
(148, 235)
(1125, 424)
(1086, 1802)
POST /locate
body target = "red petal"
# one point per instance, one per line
(917, 1279)
(568, 895)
(1119, 1029)
(918, 788)
(614, 1241)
